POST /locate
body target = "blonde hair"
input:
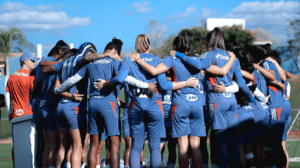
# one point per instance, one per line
(142, 43)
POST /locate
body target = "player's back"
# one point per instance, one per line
(19, 85)
(219, 58)
(260, 80)
(139, 73)
(104, 68)
(182, 72)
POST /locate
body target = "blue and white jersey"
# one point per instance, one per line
(181, 72)
(259, 107)
(133, 69)
(104, 68)
(219, 58)
(166, 101)
(276, 94)
(260, 80)
(46, 98)
(69, 68)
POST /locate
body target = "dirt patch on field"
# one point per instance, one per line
(6, 141)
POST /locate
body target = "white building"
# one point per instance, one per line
(211, 23)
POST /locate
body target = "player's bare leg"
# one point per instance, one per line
(286, 153)
(76, 148)
(63, 140)
(127, 150)
(46, 150)
(183, 144)
(53, 141)
(196, 152)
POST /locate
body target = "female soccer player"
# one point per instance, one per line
(187, 115)
(146, 107)
(222, 106)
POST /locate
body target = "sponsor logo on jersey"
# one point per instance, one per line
(20, 74)
(147, 59)
(102, 61)
(68, 64)
(273, 114)
(167, 98)
(264, 105)
(211, 107)
(191, 97)
(166, 102)
(227, 94)
(222, 57)
(19, 112)
(249, 108)
(266, 66)
(42, 102)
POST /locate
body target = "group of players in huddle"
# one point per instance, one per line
(239, 95)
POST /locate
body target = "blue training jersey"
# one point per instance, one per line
(133, 69)
(181, 72)
(219, 58)
(166, 101)
(46, 98)
(260, 80)
(104, 68)
(276, 94)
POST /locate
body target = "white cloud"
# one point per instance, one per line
(272, 16)
(182, 15)
(143, 7)
(38, 18)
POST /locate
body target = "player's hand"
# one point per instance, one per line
(134, 56)
(77, 97)
(288, 97)
(202, 72)
(119, 102)
(173, 52)
(231, 54)
(153, 87)
(268, 97)
(218, 88)
(192, 82)
(115, 56)
(99, 84)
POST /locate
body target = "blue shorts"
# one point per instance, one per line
(288, 121)
(245, 121)
(146, 114)
(125, 123)
(46, 117)
(68, 116)
(261, 120)
(279, 116)
(206, 116)
(222, 115)
(187, 120)
(108, 110)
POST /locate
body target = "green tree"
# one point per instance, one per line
(236, 36)
(13, 40)
(294, 42)
(196, 38)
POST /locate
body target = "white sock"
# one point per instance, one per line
(82, 165)
(98, 166)
(214, 166)
(171, 166)
(67, 165)
(205, 166)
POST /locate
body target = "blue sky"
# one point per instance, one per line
(46, 22)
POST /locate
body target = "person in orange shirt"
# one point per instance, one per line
(18, 89)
